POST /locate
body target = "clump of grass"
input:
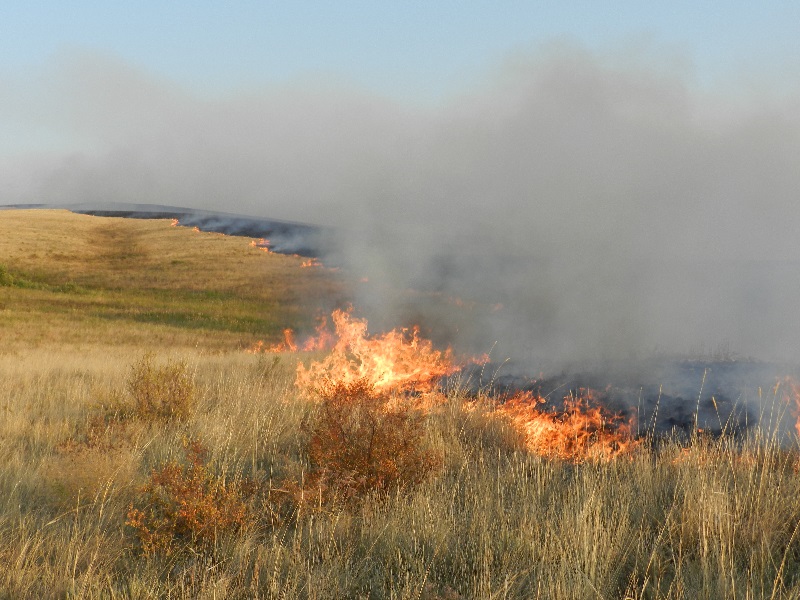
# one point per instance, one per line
(187, 506)
(360, 442)
(6, 278)
(161, 392)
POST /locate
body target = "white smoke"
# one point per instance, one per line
(577, 206)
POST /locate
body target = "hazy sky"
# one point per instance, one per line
(599, 178)
(411, 50)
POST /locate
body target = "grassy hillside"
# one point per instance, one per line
(144, 454)
(68, 279)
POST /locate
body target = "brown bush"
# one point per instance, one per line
(163, 392)
(360, 441)
(186, 505)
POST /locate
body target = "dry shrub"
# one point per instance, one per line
(164, 392)
(187, 506)
(360, 442)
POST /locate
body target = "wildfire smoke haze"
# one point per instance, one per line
(612, 208)
(403, 364)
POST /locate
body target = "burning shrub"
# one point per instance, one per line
(187, 505)
(362, 441)
(161, 392)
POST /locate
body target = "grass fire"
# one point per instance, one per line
(188, 414)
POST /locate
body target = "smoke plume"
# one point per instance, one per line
(569, 208)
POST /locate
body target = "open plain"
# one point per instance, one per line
(144, 452)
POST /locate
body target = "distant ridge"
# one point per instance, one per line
(285, 237)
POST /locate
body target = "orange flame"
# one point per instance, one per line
(174, 223)
(398, 360)
(261, 244)
(794, 386)
(402, 361)
(287, 345)
(311, 262)
(324, 340)
(579, 433)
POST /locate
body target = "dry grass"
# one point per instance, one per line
(361, 442)
(188, 507)
(76, 279)
(161, 392)
(716, 519)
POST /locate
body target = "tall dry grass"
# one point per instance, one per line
(717, 518)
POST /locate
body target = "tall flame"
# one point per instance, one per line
(397, 360)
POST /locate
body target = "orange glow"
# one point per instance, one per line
(407, 366)
(398, 360)
(794, 386)
(174, 223)
(261, 244)
(324, 340)
(287, 345)
(581, 432)
(311, 262)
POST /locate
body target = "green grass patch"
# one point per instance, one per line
(120, 281)
(25, 281)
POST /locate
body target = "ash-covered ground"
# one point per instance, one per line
(662, 396)
(284, 237)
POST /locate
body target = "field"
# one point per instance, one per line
(145, 453)
(76, 280)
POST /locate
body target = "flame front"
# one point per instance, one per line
(261, 244)
(582, 431)
(398, 360)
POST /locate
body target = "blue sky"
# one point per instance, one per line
(409, 50)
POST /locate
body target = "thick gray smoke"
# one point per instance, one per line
(570, 208)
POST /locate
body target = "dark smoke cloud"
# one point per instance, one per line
(572, 207)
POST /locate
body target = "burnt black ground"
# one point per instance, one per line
(663, 396)
(285, 237)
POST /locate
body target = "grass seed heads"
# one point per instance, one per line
(161, 392)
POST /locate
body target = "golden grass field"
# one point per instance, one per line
(84, 280)
(99, 316)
